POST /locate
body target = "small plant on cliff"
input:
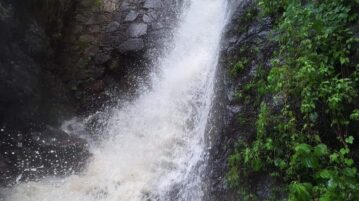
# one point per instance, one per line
(97, 3)
(238, 67)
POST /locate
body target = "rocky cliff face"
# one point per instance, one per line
(246, 39)
(30, 145)
(247, 50)
(59, 59)
(114, 42)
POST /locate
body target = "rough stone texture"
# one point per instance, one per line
(100, 43)
(147, 19)
(246, 35)
(27, 105)
(102, 58)
(152, 4)
(131, 45)
(47, 151)
(137, 30)
(113, 26)
(131, 16)
(87, 38)
(58, 152)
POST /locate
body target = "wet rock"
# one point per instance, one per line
(152, 14)
(109, 5)
(132, 45)
(102, 58)
(131, 16)
(147, 19)
(96, 86)
(113, 26)
(137, 30)
(240, 114)
(44, 151)
(81, 18)
(234, 109)
(276, 102)
(91, 50)
(265, 188)
(233, 39)
(125, 5)
(112, 40)
(86, 3)
(6, 171)
(87, 38)
(96, 19)
(95, 29)
(152, 4)
(158, 25)
(36, 41)
(60, 152)
(4, 12)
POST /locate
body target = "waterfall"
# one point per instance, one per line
(156, 143)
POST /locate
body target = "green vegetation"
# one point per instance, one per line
(98, 3)
(238, 67)
(306, 145)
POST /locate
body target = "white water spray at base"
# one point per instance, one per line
(156, 141)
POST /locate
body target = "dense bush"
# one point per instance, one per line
(307, 145)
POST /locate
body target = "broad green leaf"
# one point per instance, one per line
(303, 148)
(325, 174)
(334, 157)
(350, 172)
(310, 162)
(349, 140)
(344, 151)
(355, 115)
(300, 191)
(349, 162)
(321, 150)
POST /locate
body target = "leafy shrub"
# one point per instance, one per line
(307, 144)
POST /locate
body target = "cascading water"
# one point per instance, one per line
(156, 143)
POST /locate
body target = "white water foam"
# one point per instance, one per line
(156, 141)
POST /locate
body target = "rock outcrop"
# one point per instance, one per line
(32, 96)
(59, 59)
(246, 38)
(114, 42)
